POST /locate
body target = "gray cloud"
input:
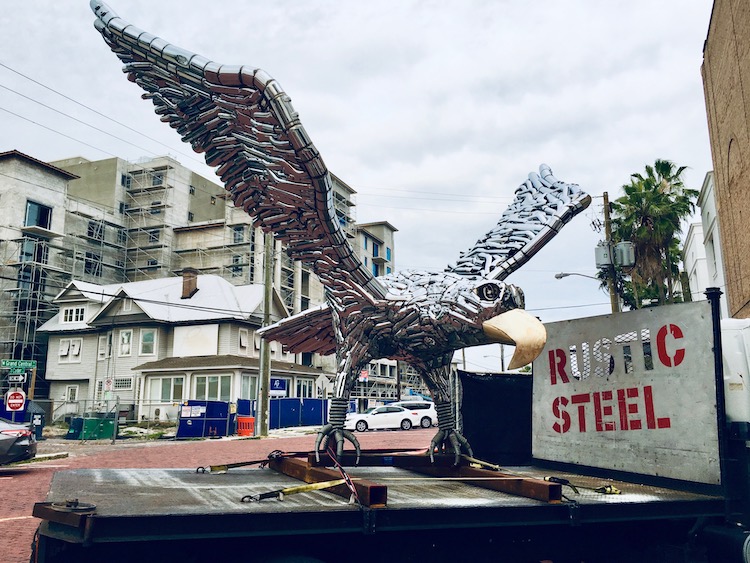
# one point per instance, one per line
(404, 97)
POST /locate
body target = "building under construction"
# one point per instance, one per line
(113, 221)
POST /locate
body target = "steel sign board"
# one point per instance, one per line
(632, 392)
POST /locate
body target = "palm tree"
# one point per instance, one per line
(650, 216)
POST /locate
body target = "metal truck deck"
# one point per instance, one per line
(180, 507)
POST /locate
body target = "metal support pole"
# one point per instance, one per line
(265, 350)
(32, 384)
(713, 294)
(611, 268)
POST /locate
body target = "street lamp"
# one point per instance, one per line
(613, 297)
(562, 275)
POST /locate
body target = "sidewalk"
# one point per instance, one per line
(55, 445)
(23, 485)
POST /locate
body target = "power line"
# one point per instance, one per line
(105, 116)
(191, 156)
(55, 131)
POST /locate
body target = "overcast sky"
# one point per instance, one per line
(434, 112)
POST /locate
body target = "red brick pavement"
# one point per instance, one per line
(23, 485)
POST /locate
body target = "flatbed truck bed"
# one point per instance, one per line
(191, 515)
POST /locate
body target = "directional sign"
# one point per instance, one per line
(15, 400)
(17, 378)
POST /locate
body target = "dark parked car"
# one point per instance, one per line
(17, 442)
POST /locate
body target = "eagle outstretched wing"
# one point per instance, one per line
(542, 205)
(245, 124)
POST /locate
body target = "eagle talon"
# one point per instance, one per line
(447, 440)
(339, 436)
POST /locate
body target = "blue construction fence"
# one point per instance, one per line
(201, 419)
(288, 413)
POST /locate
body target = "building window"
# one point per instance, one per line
(238, 234)
(166, 389)
(123, 383)
(388, 253)
(73, 314)
(71, 393)
(148, 342)
(38, 215)
(153, 236)
(70, 350)
(375, 271)
(125, 344)
(34, 250)
(96, 230)
(213, 200)
(375, 250)
(236, 267)
(152, 263)
(305, 388)
(121, 207)
(191, 190)
(213, 387)
(93, 264)
(122, 236)
(157, 179)
(244, 341)
(387, 269)
(104, 348)
(125, 180)
(190, 216)
(127, 304)
(248, 387)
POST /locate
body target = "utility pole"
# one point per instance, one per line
(265, 350)
(611, 267)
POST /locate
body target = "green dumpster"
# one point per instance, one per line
(97, 429)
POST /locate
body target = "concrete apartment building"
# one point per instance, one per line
(726, 68)
(112, 222)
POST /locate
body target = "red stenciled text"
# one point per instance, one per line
(631, 408)
(621, 409)
(633, 349)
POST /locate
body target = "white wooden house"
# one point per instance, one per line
(152, 344)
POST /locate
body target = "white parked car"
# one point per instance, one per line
(388, 416)
(422, 412)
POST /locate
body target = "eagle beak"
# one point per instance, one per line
(519, 328)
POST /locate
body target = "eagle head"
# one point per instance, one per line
(447, 311)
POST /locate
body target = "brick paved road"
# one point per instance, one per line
(23, 485)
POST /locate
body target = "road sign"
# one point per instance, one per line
(18, 366)
(15, 400)
(17, 378)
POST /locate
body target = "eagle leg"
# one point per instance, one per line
(448, 438)
(334, 430)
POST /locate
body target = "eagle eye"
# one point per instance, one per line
(488, 292)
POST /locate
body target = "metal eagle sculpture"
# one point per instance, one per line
(244, 123)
